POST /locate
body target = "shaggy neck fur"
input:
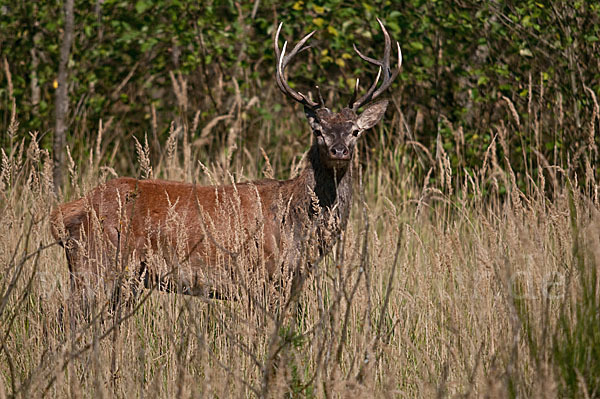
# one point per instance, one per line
(333, 187)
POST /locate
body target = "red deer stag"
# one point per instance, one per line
(200, 233)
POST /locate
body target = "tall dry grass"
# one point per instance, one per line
(450, 286)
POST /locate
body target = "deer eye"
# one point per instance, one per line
(355, 131)
(317, 132)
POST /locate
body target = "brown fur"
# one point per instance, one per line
(128, 218)
(206, 233)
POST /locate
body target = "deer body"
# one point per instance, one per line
(126, 219)
(204, 232)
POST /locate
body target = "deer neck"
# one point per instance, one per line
(332, 187)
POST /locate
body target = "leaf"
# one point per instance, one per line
(141, 6)
(319, 9)
(525, 52)
(298, 5)
(393, 26)
(319, 22)
(416, 46)
(332, 30)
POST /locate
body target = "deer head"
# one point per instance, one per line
(336, 133)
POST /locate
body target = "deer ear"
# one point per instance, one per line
(371, 115)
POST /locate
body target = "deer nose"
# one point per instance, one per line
(340, 152)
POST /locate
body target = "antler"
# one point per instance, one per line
(282, 63)
(384, 67)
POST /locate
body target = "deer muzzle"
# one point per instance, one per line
(339, 153)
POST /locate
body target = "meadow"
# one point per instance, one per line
(469, 267)
(447, 287)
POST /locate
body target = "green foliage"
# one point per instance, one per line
(463, 63)
(298, 386)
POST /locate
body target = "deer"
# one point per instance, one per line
(201, 233)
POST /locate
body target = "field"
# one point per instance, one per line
(469, 267)
(435, 290)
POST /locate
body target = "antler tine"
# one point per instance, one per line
(368, 95)
(276, 42)
(391, 78)
(384, 67)
(282, 63)
(321, 101)
(388, 44)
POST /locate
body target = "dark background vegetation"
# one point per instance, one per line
(470, 69)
